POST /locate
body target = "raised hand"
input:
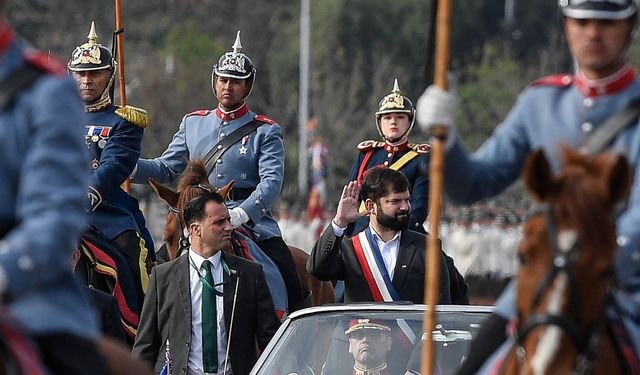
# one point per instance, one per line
(348, 206)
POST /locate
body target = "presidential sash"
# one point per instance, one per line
(376, 275)
(373, 268)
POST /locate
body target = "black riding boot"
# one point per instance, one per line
(128, 243)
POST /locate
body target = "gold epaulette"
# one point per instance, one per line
(420, 148)
(136, 116)
(368, 145)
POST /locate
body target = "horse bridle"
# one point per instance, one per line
(561, 263)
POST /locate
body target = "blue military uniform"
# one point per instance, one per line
(410, 159)
(43, 182)
(556, 110)
(256, 162)
(114, 148)
(113, 137)
(553, 111)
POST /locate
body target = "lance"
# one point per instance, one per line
(120, 49)
(134, 115)
(439, 134)
(120, 56)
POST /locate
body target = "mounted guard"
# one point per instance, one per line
(597, 105)
(237, 145)
(113, 137)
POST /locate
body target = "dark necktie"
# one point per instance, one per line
(209, 322)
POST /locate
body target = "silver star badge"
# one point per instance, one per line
(243, 150)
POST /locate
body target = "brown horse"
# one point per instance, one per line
(566, 266)
(191, 185)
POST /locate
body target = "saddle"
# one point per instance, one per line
(107, 270)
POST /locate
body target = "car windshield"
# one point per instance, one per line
(317, 343)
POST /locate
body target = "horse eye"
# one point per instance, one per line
(522, 259)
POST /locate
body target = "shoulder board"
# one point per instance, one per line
(44, 62)
(420, 148)
(136, 116)
(266, 119)
(556, 80)
(368, 145)
(200, 112)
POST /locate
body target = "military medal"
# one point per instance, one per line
(243, 149)
(94, 138)
(102, 143)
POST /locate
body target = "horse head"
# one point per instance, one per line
(192, 183)
(566, 261)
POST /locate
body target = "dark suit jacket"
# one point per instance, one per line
(166, 314)
(333, 258)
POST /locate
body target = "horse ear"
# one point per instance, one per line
(167, 195)
(619, 177)
(537, 175)
(224, 191)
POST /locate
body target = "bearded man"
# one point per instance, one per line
(385, 261)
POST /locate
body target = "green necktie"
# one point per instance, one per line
(209, 322)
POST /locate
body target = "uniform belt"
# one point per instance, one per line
(238, 194)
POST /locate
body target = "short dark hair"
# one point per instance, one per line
(381, 181)
(195, 209)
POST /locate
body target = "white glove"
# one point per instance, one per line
(238, 216)
(436, 107)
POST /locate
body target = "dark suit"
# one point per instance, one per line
(166, 314)
(333, 258)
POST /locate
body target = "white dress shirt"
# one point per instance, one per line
(388, 250)
(196, 270)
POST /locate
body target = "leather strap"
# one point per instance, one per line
(219, 148)
(602, 138)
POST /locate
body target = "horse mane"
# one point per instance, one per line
(194, 174)
(193, 182)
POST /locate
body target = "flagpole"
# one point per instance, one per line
(439, 134)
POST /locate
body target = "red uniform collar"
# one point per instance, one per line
(6, 37)
(616, 82)
(232, 115)
(395, 147)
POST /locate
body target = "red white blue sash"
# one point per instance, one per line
(373, 268)
(376, 275)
